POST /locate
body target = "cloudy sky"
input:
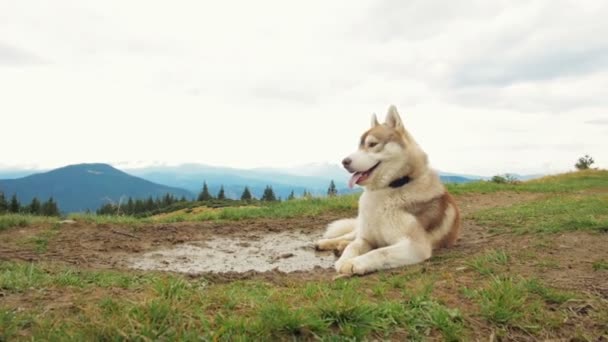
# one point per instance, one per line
(486, 87)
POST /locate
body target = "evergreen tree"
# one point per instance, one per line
(3, 203)
(14, 205)
(130, 208)
(269, 195)
(221, 195)
(106, 209)
(35, 207)
(183, 199)
(49, 208)
(149, 205)
(291, 196)
(332, 191)
(306, 194)
(246, 196)
(139, 206)
(204, 195)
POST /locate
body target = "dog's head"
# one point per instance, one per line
(386, 152)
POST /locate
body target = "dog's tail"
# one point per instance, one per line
(340, 228)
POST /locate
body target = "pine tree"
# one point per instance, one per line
(149, 205)
(3, 203)
(35, 208)
(106, 209)
(183, 199)
(306, 195)
(14, 206)
(269, 195)
(130, 207)
(246, 196)
(291, 196)
(332, 191)
(204, 194)
(49, 208)
(221, 195)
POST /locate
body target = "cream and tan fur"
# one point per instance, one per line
(396, 225)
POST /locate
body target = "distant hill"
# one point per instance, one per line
(85, 186)
(192, 176)
(313, 178)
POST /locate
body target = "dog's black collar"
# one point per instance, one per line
(399, 182)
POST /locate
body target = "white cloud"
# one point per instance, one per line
(487, 87)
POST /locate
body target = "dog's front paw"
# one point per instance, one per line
(323, 245)
(350, 267)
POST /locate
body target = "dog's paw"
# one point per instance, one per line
(350, 267)
(323, 245)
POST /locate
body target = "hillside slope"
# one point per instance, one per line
(85, 186)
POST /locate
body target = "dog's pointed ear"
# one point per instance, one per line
(375, 121)
(393, 119)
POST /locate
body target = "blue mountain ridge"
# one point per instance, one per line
(84, 186)
(87, 186)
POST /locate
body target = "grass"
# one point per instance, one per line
(600, 265)
(17, 277)
(166, 307)
(551, 215)
(515, 303)
(487, 263)
(109, 305)
(23, 220)
(568, 182)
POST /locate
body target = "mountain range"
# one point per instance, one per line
(87, 186)
(84, 186)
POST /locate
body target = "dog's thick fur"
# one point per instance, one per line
(405, 211)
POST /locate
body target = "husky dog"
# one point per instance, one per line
(405, 211)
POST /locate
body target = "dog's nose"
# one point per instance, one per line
(346, 162)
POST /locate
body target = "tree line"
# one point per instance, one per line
(140, 206)
(150, 205)
(267, 196)
(35, 207)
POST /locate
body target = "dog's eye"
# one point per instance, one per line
(372, 144)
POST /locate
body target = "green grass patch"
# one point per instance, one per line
(23, 220)
(19, 277)
(600, 265)
(503, 301)
(486, 264)
(568, 182)
(40, 241)
(524, 304)
(551, 215)
(167, 307)
(550, 295)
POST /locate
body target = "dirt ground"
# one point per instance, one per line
(268, 248)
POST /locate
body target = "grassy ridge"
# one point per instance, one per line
(551, 215)
(567, 182)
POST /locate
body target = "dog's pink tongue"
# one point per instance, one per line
(353, 180)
